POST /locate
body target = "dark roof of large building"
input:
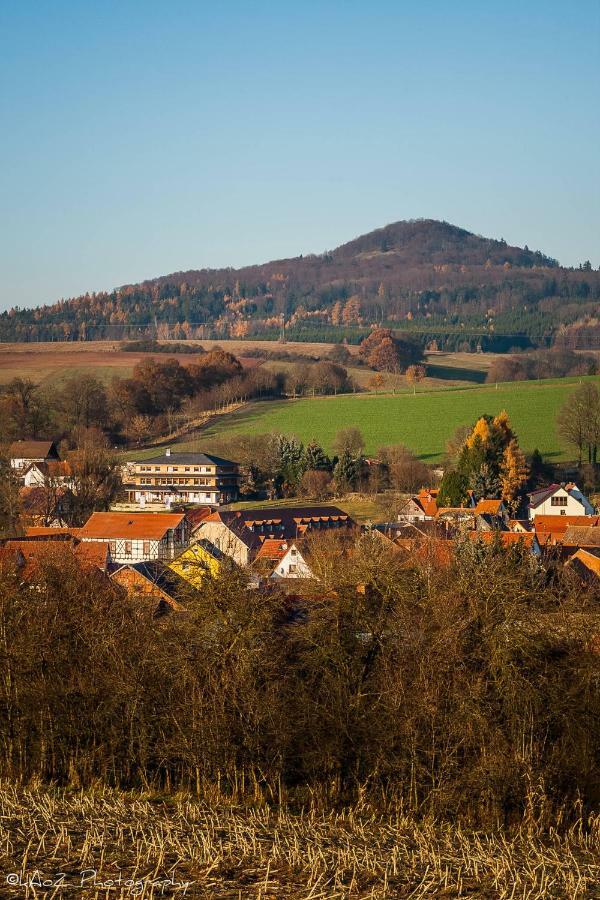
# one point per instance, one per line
(253, 526)
(186, 459)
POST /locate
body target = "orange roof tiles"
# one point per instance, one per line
(273, 549)
(506, 537)
(129, 526)
(488, 507)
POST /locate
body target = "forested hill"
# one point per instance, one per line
(449, 287)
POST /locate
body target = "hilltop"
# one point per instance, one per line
(452, 288)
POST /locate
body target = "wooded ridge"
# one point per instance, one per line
(451, 288)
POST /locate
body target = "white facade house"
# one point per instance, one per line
(559, 500)
(292, 565)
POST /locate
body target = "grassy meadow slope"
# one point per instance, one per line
(423, 422)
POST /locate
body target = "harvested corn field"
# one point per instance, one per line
(108, 844)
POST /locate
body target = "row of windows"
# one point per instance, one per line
(175, 469)
(202, 482)
(558, 501)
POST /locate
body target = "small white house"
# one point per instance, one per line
(559, 500)
(292, 565)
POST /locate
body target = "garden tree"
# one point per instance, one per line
(315, 457)
(514, 473)
(539, 471)
(406, 472)
(453, 489)
(315, 484)
(94, 483)
(10, 499)
(347, 472)
(350, 439)
(415, 375)
(483, 460)
(579, 421)
(83, 402)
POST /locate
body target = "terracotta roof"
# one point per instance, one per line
(43, 531)
(143, 526)
(273, 549)
(578, 536)
(35, 551)
(199, 514)
(589, 560)
(32, 450)
(506, 537)
(487, 507)
(551, 529)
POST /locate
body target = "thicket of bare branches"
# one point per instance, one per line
(469, 691)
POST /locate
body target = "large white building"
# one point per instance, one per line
(183, 478)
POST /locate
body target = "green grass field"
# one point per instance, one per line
(423, 422)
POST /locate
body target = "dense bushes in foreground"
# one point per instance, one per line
(469, 689)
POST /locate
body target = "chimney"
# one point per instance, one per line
(168, 451)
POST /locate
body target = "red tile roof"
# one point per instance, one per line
(129, 526)
(488, 507)
(273, 549)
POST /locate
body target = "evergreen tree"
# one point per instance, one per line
(453, 489)
(346, 472)
(290, 460)
(315, 458)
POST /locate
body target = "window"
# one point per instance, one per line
(127, 548)
(112, 546)
(293, 569)
(294, 552)
(187, 469)
(558, 501)
(146, 548)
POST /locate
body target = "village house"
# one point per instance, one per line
(153, 581)
(199, 560)
(138, 537)
(183, 478)
(24, 453)
(34, 551)
(419, 508)
(240, 533)
(559, 500)
(293, 564)
(550, 530)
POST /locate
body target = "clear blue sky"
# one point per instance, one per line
(141, 138)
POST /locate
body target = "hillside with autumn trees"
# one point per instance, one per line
(448, 287)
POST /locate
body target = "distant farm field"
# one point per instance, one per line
(423, 422)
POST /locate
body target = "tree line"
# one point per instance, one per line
(466, 689)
